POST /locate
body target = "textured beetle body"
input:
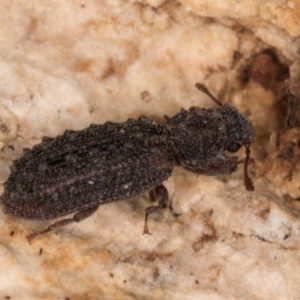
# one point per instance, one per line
(80, 170)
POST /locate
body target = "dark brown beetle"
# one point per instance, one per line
(80, 170)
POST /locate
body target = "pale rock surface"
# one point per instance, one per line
(67, 64)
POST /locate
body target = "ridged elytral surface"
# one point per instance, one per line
(81, 169)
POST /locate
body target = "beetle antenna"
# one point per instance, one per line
(204, 89)
(248, 182)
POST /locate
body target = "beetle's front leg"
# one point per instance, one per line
(160, 193)
(81, 215)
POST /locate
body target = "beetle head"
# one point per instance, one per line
(239, 131)
(202, 136)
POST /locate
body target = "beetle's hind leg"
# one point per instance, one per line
(159, 193)
(81, 215)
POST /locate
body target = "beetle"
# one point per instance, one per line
(81, 170)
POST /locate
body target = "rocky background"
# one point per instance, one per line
(68, 64)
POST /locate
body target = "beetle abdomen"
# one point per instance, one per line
(81, 169)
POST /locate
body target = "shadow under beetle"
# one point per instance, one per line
(80, 170)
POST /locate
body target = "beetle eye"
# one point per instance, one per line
(233, 147)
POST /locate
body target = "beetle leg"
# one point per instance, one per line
(81, 215)
(160, 193)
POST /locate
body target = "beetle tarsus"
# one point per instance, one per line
(159, 193)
